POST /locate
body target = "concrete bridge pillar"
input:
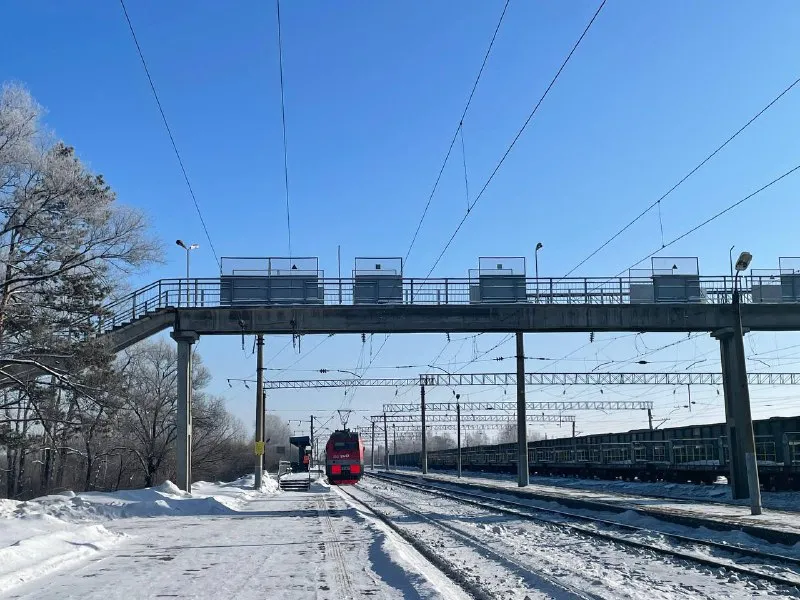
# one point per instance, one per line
(738, 419)
(522, 421)
(183, 439)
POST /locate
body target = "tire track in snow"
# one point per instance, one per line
(343, 580)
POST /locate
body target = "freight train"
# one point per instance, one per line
(696, 453)
(344, 457)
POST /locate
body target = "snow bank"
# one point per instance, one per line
(48, 533)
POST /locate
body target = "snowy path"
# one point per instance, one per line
(288, 546)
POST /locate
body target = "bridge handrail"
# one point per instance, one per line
(303, 289)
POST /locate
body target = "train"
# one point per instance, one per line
(344, 457)
(690, 454)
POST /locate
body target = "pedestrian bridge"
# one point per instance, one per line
(304, 304)
(301, 302)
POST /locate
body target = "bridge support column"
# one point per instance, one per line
(522, 424)
(183, 440)
(738, 419)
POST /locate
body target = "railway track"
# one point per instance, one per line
(628, 502)
(538, 585)
(619, 533)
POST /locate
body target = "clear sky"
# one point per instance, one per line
(374, 91)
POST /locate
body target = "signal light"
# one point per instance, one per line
(336, 469)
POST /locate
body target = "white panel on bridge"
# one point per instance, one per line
(498, 280)
(775, 286)
(378, 281)
(271, 280)
(671, 279)
(790, 278)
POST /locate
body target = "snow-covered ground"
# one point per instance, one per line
(512, 558)
(607, 492)
(225, 540)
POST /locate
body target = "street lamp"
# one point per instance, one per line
(539, 246)
(188, 250)
(744, 423)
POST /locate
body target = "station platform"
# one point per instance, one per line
(288, 545)
(782, 526)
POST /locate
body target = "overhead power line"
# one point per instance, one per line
(458, 130)
(283, 124)
(516, 137)
(169, 133)
(683, 179)
(713, 217)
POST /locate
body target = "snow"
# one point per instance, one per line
(717, 492)
(703, 501)
(226, 540)
(512, 558)
(223, 540)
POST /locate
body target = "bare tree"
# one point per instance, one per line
(64, 240)
(150, 402)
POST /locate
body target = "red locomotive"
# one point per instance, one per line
(344, 457)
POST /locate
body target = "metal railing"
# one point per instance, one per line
(305, 290)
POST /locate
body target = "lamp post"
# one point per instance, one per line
(744, 422)
(188, 249)
(730, 260)
(539, 246)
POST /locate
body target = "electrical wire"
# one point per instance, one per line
(458, 129)
(713, 217)
(516, 137)
(169, 133)
(283, 125)
(682, 180)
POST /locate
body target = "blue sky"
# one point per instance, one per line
(374, 91)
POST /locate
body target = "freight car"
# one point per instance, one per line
(696, 453)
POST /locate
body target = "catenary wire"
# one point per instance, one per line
(458, 129)
(516, 138)
(283, 126)
(169, 133)
(682, 180)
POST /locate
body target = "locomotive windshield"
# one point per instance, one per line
(349, 445)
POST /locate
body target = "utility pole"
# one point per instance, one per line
(458, 436)
(649, 419)
(259, 446)
(574, 444)
(522, 425)
(394, 435)
(386, 441)
(372, 447)
(311, 458)
(424, 456)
